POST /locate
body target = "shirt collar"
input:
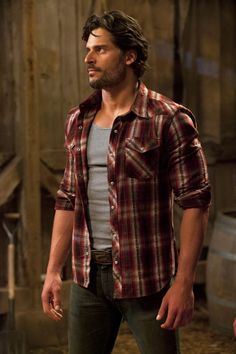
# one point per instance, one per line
(92, 103)
(139, 107)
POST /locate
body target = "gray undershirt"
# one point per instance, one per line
(99, 210)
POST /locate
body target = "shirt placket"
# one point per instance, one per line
(114, 137)
(82, 135)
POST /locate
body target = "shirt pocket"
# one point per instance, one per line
(141, 157)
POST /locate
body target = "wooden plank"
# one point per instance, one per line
(19, 130)
(30, 196)
(83, 11)
(201, 60)
(10, 178)
(48, 180)
(156, 19)
(53, 158)
(48, 67)
(7, 106)
(5, 157)
(18, 64)
(68, 55)
(228, 77)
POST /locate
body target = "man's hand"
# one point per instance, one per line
(177, 305)
(234, 327)
(51, 296)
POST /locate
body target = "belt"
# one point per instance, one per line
(102, 257)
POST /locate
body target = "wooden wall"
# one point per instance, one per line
(7, 107)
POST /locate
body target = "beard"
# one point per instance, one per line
(109, 79)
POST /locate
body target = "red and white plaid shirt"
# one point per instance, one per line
(154, 155)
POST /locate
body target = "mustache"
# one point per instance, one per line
(93, 67)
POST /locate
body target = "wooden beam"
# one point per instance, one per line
(30, 209)
(54, 158)
(10, 177)
(49, 180)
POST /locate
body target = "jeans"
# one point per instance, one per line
(95, 317)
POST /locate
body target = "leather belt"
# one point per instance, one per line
(102, 257)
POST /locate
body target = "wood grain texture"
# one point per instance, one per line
(10, 178)
(7, 106)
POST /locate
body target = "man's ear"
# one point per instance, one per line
(130, 57)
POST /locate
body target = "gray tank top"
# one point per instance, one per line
(99, 210)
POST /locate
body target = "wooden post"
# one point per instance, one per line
(30, 198)
(83, 11)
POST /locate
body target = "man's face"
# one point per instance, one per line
(105, 61)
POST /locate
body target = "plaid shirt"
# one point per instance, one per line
(154, 156)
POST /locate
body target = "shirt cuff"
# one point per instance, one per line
(64, 201)
(200, 198)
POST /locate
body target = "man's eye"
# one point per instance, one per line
(100, 50)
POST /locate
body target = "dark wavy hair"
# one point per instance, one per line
(126, 32)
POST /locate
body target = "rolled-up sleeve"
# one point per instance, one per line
(187, 164)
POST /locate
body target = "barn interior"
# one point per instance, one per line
(192, 60)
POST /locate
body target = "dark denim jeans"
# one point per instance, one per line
(95, 317)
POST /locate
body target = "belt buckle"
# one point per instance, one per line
(102, 257)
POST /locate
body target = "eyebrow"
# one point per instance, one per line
(98, 46)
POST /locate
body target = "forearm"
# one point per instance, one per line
(192, 232)
(61, 240)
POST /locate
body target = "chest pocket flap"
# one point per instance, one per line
(141, 157)
(140, 145)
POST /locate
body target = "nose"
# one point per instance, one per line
(89, 58)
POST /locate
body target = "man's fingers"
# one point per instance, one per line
(57, 314)
(177, 319)
(170, 320)
(46, 302)
(51, 312)
(162, 310)
(56, 295)
(52, 304)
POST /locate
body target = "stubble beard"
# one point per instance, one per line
(109, 79)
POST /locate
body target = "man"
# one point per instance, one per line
(129, 150)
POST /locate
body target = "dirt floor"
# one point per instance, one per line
(197, 338)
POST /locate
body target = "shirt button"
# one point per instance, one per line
(116, 262)
(112, 207)
(78, 149)
(112, 183)
(87, 253)
(115, 131)
(80, 127)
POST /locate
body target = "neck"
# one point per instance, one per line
(120, 98)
